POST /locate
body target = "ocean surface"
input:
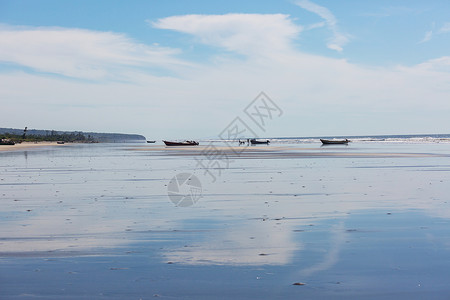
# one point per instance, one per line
(416, 139)
(292, 220)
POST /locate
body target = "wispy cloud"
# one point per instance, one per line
(315, 25)
(429, 34)
(445, 28)
(339, 39)
(248, 34)
(80, 53)
(427, 37)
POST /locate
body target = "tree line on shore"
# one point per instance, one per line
(52, 136)
(39, 135)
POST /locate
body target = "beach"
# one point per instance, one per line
(368, 220)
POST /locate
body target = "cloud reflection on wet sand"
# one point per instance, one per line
(279, 206)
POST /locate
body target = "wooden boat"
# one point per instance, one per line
(255, 142)
(334, 142)
(60, 142)
(151, 142)
(185, 143)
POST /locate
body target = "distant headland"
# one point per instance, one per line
(39, 135)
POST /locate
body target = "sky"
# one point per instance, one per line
(178, 69)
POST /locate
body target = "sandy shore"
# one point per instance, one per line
(299, 221)
(27, 145)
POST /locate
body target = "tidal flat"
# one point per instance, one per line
(295, 221)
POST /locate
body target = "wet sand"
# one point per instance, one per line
(273, 222)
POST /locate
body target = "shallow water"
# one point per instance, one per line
(356, 221)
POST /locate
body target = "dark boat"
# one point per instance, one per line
(255, 142)
(334, 142)
(60, 142)
(6, 142)
(151, 142)
(185, 143)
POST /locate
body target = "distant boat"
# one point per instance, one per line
(151, 142)
(330, 142)
(255, 142)
(6, 142)
(60, 142)
(185, 143)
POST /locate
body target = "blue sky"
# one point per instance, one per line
(181, 69)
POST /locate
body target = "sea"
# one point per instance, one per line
(403, 138)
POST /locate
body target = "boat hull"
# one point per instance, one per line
(334, 142)
(7, 142)
(255, 142)
(187, 143)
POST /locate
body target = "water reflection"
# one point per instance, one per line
(331, 256)
(104, 197)
(257, 243)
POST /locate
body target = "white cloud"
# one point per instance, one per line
(200, 101)
(339, 39)
(80, 53)
(441, 64)
(248, 34)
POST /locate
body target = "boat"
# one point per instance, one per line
(334, 142)
(185, 143)
(60, 142)
(151, 142)
(255, 142)
(7, 142)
